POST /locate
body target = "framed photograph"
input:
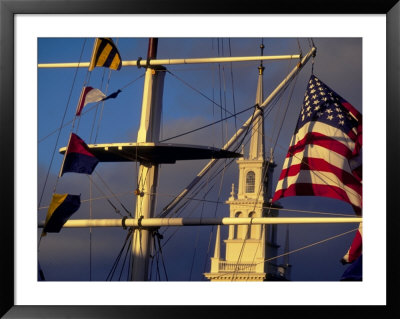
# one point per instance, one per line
(50, 275)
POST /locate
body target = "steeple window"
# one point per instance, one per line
(250, 182)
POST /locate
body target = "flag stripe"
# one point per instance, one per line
(320, 128)
(115, 61)
(316, 151)
(112, 54)
(82, 100)
(80, 163)
(100, 49)
(327, 142)
(89, 95)
(324, 181)
(56, 201)
(317, 165)
(78, 158)
(353, 111)
(60, 210)
(77, 145)
(94, 95)
(305, 189)
(105, 54)
(355, 249)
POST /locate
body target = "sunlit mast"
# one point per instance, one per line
(149, 131)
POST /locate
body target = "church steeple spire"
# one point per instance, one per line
(257, 148)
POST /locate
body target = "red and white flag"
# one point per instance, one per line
(88, 95)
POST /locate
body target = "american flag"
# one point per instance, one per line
(324, 157)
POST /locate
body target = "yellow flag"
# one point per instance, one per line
(61, 208)
(105, 54)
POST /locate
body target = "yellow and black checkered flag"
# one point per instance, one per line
(105, 54)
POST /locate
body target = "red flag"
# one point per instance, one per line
(78, 157)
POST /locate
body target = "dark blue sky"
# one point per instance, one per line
(65, 256)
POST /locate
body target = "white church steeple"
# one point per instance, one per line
(247, 247)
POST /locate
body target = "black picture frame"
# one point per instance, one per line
(8, 10)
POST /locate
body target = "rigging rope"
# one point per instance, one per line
(296, 250)
(285, 113)
(159, 237)
(102, 109)
(197, 235)
(107, 198)
(157, 251)
(114, 266)
(97, 109)
(196, 90)
(114, 195)
(130, 266)
(181, 207)
(311, 245)
(208, 125)
(59, 132)
(276, 120)
(128, 252)
(158, 276)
